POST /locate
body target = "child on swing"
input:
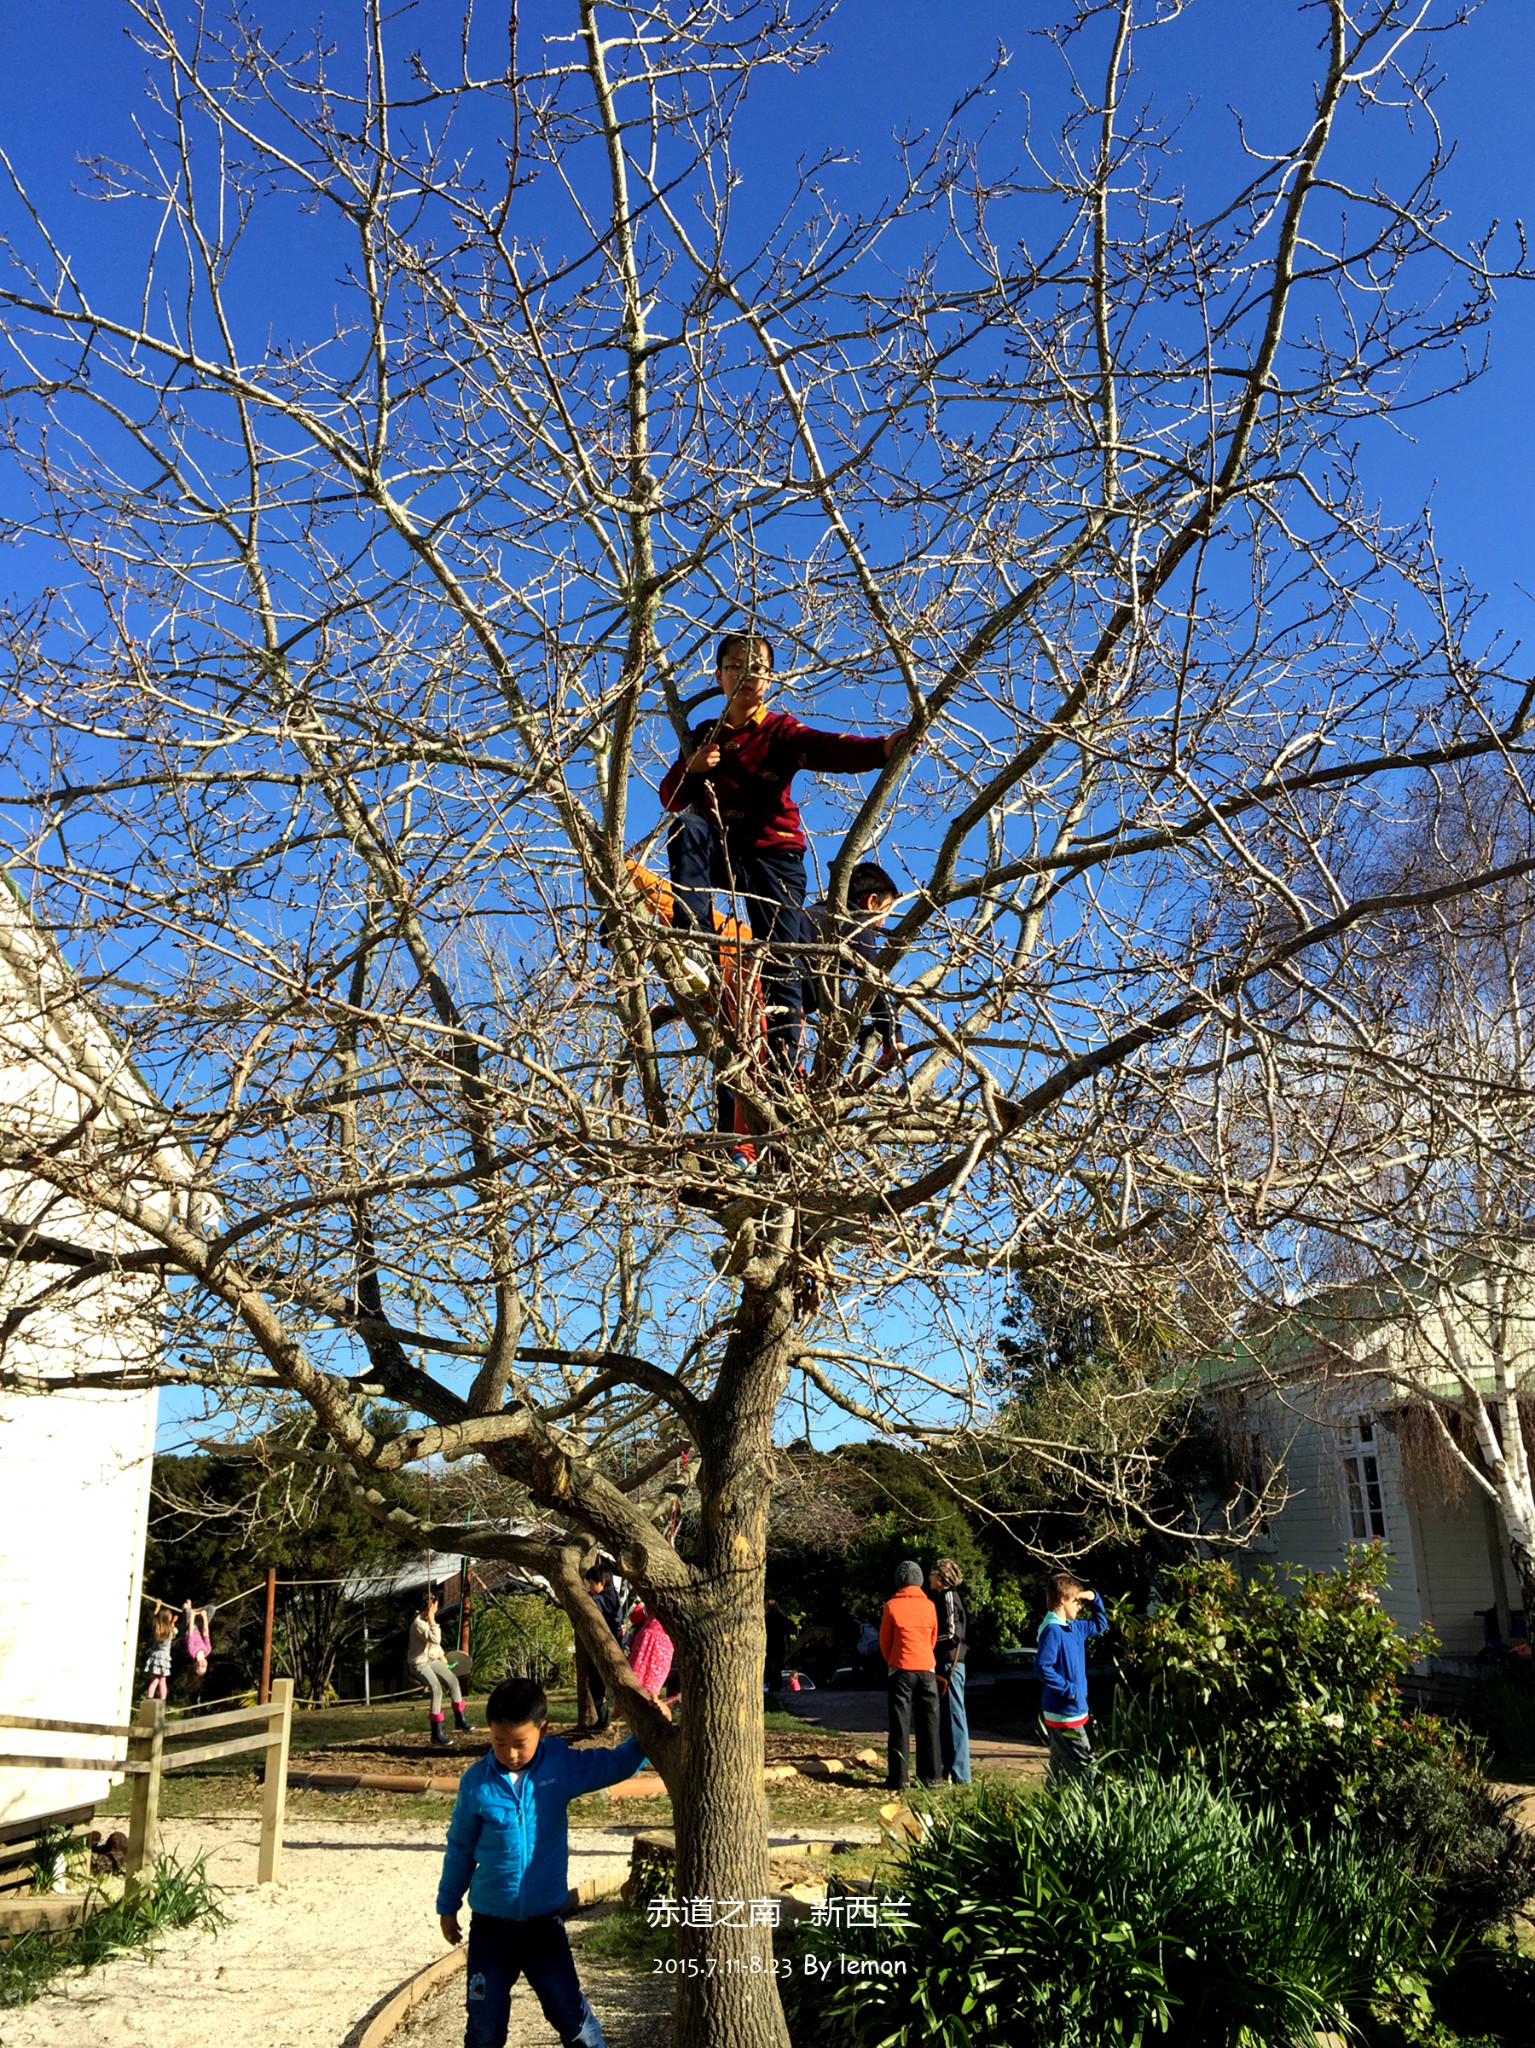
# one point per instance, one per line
(739, 829)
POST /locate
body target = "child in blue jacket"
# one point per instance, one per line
(1060, 1664)
(508, 1843)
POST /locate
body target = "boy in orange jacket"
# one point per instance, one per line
(908, 1642)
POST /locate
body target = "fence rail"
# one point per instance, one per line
(153, 1750)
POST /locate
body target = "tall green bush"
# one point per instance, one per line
(1288, 1695)
(1296, 1682)
(1155, 1908)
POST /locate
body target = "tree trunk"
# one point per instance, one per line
(722, 1854)
(1516, 1510)
(721, 1817)
(586, 1713)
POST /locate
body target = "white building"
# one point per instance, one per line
(1351, 1461)
(75, 1463)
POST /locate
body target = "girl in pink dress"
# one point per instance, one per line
(650, 1653)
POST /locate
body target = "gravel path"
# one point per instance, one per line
(299, 1963)
(635, 2009)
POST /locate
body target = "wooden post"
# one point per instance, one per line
(144, 1747)
(265, 1694)
(463, 1606)
(274, 1793)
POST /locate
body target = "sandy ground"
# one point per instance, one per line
(635, 2009)
(299, 1964)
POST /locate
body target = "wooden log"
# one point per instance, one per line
(200, 1724)
(73, 1763)
(645, 1786)
(178, 1759)
(56, 1912)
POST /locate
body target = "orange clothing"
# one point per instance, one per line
(908, 1631)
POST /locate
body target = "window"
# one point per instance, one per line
(1366, 1508)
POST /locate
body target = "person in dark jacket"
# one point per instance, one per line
(739, 829)
(871, 896)
(1060, 1664)
(599, 1583)
(780, 1635)
(943, 1583)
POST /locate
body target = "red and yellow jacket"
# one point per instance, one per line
(747, 795)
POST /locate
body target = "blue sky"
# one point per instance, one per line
(73, 82)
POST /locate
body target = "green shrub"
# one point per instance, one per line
(1488, 1993)
(1155, 1906)
(1291, 1700)
(520, 1636)
(1295, 1685)
(176, 1895)
(1502, 1709)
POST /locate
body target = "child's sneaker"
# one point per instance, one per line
(742, 1162)
(684, 970)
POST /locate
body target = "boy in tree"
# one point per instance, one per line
(871, 896)
(1060, 1663)
(739, 829)
(508, 1843)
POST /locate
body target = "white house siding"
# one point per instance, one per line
(74, 1497)
(74, 1464)
(1461, 1568)
(1313, 1531)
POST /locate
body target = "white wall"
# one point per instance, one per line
(73, 1508)
(74, 1464)
(1445, 1566)
(1313, 1531)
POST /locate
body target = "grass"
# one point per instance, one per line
(233, 1787)
(796, 1807)
(177, 1895)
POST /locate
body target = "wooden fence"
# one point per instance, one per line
(153, 1749)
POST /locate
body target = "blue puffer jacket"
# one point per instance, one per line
(1060, 1662)
(509, 1843)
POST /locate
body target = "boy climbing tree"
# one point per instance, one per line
(739, 829)
(871, 897)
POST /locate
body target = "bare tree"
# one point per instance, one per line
(1409, 1280)
(334, 739)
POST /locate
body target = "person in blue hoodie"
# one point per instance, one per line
(508, 1844)
(1060, 1664)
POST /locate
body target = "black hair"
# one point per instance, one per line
(746, 640)
(598, 1575)
(517, 1703)
(868, 879)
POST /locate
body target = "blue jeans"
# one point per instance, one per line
(1071, 1755)
(501, 1951)
(954, 1729)
(771, 879)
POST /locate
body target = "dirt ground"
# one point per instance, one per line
(300, 1963)
(635, 2009)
